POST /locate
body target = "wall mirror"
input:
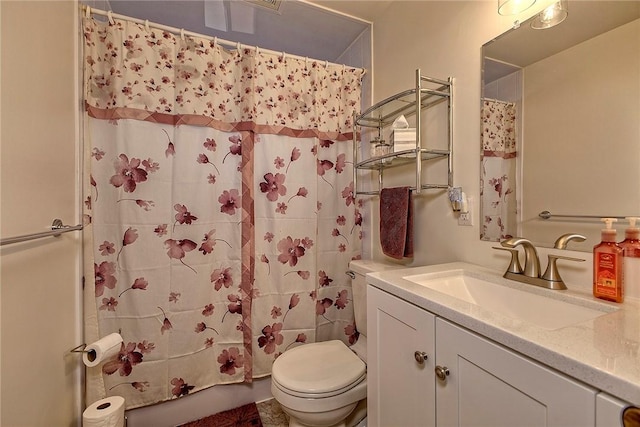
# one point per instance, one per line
(561, 125)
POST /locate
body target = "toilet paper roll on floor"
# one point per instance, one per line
(108, 412)
(101, 350)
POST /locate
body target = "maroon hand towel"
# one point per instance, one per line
(396, 222)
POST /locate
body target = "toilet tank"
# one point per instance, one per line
(359, 287)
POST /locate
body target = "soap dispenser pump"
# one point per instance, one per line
(631, 253)
(608, 274)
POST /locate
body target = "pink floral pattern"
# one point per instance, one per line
(207, 237)
(271, 338)
(128, 173)
(273, 186)
(124, 362)
(104, 277)
(498, 180)
(290, 257)
(197, 77)
(230, 360)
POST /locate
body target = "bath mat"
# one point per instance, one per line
(243, 416)
(396, 222)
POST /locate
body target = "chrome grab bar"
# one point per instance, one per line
(549, 215)
(57, 228)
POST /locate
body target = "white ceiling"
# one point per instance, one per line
(301, 28)
(369, 10)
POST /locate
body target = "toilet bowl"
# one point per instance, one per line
(324, 384)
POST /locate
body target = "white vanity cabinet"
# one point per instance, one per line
(466, 379)
(489, 385)
(609, 410)
(400, 362)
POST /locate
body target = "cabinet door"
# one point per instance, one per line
(491, 386)
(400, 389)
(609, 411)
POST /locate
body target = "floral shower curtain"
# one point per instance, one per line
(220, 208)
(498, 180)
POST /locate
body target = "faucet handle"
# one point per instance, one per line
(552, 275)
(562, 241)
(514, 265)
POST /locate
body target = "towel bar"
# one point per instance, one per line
(548, 215)
(57, 228)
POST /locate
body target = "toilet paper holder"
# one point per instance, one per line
(91, 355)
(79, 349)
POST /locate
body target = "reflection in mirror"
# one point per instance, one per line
(561, 127)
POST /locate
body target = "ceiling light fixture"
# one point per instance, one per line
(513, 7)
(551, 16)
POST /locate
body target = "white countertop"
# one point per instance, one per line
(603, 353)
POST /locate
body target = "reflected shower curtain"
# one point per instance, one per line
(498, 180)
(220, 209)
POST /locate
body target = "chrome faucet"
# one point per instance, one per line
(530, 274)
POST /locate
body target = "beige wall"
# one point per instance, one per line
(39, 281)
(581, 110)
(444, 39)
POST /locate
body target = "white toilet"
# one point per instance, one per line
(324, 384)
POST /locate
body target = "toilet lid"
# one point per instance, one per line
(316, 368)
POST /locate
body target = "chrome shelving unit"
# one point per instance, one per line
(427, 93)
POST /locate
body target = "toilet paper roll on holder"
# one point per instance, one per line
(91, 354)
(82, 349)
(95, 353)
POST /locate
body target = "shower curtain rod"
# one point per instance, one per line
(181, 31)
(499, 101)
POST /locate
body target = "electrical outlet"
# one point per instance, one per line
(465, 218)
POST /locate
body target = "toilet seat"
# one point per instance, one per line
(318, 370)
(307, 395)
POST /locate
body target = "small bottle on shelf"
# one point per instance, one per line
(379, 147)
(372, 147)
(608, 273)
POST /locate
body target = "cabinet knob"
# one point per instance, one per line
(442, 372)
(420, 356)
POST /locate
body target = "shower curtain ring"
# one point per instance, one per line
(110, 16)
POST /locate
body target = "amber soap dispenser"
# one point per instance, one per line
(608, 280)
(631, 252)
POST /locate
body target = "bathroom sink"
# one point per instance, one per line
(545, 312)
